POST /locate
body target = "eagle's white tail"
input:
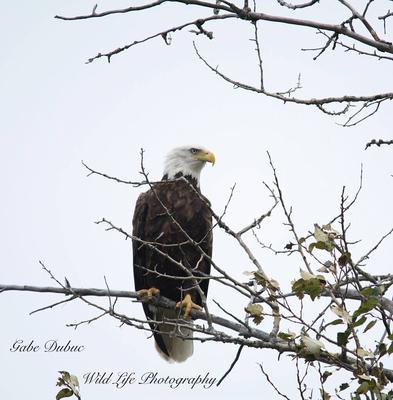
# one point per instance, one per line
(178, 349)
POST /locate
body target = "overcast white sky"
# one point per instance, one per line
(56, 111)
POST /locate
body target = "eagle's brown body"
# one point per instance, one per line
(151, 223)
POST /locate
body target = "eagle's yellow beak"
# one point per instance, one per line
(206, 156)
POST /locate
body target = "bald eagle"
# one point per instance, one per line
(165, 215)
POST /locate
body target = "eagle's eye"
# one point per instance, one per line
(194, 151)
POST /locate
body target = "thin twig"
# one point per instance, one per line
(232, 365)
(272, 384)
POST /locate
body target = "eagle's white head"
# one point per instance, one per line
(187, 161)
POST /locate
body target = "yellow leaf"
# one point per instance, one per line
(340, 312)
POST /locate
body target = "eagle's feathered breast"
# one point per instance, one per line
(154, 221)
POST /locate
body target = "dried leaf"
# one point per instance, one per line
(320, 235)
(287, 336)
(273, 285)
(390, 348)
(325, 241)
(363, 388)
(255, 311)
(306, 275)
(364, 353)
(313, 285)
(74, 383)
(326, 375)
(335, 322)
(343, 386)
(340, 312)
(325, 395)
(289, 246)
(360, 321)
(369, 325)
(64, 393)
(344, 259)
(333, 233)
(342, 337)
(69, 380)
(312, 346)
(365, 377)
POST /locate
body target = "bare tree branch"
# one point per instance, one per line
(315, 102)
(164, 35)
(232, 365)
(264, 340)
(378, 143)
(297, 6)
(271, 383)
(336, 34)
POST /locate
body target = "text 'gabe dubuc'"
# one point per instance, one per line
(49, 346)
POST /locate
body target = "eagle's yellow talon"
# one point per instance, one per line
(188, 305)
(148, 292)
